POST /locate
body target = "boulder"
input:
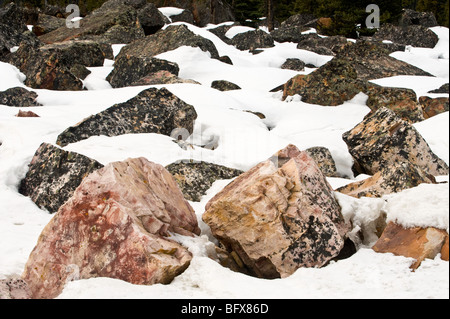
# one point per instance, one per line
(411, 17)
(383, 140)
(443, 89)
(26, 114)
(166, 40)
(196, 178)
(53, 175)
(321, 45)
(323, 158)
(47, 23)
(294, 65)
(151, 111)
(291, 29)
(151, 19)
(416, 242)
(117, 225)
(185, 16)
(371, 61)
(252, 40)
(44, 69)
(432, 107)
(278, 216)
(223, 85)
(388, 180)
(414, 35)
(114, 22)
(162, 77)
(129, 69)
(19, 97)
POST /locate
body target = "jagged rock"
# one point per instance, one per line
(321, 45)
(80, 71)
(416, 242)
(129, 69)
(387, 181)
(371, 61)
(151, 19)
(384, 140)
(414, 35)
(14, 16)
(443, 89)
(47, 23)
(294, 64)
(402, 101)
(14, 288)
(432, 107)
(114, 23)
(252, 40)
(291, 29)
(117, 225)
(19, 97)
(323, 158)
(223, 85)
(278, 216)
(168, 39)
(185, 16)
(411, 17)
(221, 31)
(151, 111)
(53, 176)
(194, 179)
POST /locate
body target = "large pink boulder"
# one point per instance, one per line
(279, 216)
(115, 225)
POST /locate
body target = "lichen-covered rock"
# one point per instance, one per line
(416, 242)
(166, 40)
(293, 64)
(323, 159)
(383, 140)
(388, 181)
(443, 89)
(414, 35)
(117, 225)
(278, 216)
(291, 29)
(129, 70)
(151, 111)
(223, 85)
(252, 40)
(19, 97)
(194, 179)
(432, 107)
(321, 45)
(53, 176)
(411, 17)
(47, 23)
(114, 23)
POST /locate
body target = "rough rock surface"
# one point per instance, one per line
(252, 40)
(291, 29)
(411, 17)
(432, 107)
(116, 225)
(279, 216)
(388, 181)
(19, 97)
(383, 140)
(414, 35)
(323, 159)
(151, 111)
(47, 23)
(294, 64)
(114, 24)
(168, 39)
(194, 179)
(53, 176)
(418, 243)
(129, 70)
(14, 288)
(443, 89)
(223, 85)
(324, 46)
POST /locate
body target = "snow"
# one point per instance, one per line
(242, 140)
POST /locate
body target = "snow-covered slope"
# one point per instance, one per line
(244, 140)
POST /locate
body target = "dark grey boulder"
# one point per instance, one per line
(19, 97)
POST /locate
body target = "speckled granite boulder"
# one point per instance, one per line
(19, 97)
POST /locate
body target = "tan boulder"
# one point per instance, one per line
(115, 225)
(279, 216)
(418, 243)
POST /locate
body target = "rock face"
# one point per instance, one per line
(19, 97)
(53, 176)
(168, 39)
(115, 22)
(389, 180)
(415, 35)
(383, 140)
(194, 179)
(278, 217)
(418, 243)
(151, 111)
(116, 225)
(130, 70)
(432, 107)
